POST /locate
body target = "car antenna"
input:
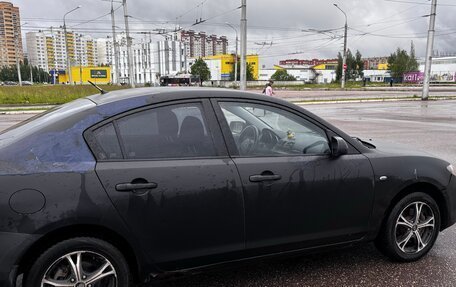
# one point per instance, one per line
(98, 88)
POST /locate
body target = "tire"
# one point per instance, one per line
(399, 238)
(54, 264)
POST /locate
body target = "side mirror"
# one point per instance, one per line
(338, 146)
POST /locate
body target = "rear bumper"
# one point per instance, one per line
(12, 247)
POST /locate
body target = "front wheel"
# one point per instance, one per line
(78, 262)
(411, 228)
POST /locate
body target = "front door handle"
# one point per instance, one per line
(126, 187)
(261, 178)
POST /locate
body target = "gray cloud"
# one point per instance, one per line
(396, 22)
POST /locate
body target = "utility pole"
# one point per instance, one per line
(244, 45)
(18, 65)
(31, 71)
(344, 61)
(129, 51)
(16, 44)
(115, 46)
(430, 47)
(236, 56)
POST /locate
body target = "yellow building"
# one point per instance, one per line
(221, 66)
(383, 66)
(97, 75)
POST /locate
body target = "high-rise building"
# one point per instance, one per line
(105, 51)
(200, 45)
(48, 50)
(153, 59)
(10, 34)
(36, 49)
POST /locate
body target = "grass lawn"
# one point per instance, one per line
(47, 94)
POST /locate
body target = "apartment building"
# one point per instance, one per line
(37, 49)
(152, 60)
(48, 50)
(10, 34)
(201, 45)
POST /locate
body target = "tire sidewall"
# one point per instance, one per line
(103, 248)
(391, 225)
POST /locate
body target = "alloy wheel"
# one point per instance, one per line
(415, 227)
(80, 269)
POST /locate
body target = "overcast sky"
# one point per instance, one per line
(291, 28)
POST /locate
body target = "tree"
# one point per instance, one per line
(355, 66)
(10, 73)
(200, 69)
(401, 62)
(249, 72)
(282, 75)
(413, 63)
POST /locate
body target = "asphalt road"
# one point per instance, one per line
(429, 126)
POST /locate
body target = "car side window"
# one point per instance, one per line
(174, 131)
(261, 130)
(107, 141)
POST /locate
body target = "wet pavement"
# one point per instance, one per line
(428, 126)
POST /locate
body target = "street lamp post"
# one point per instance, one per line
(18, 65)
(70, 77)
(344, 61)
(430, 47)
(236, 56)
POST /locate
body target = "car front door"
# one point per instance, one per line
(170, 177)
(296, 193)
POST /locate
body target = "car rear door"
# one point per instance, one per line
(296, 193)
(168, 173)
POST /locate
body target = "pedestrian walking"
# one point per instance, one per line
(268, 90)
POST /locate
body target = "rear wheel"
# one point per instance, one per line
(411, 228)
(80, 262)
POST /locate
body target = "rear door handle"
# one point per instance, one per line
(261, 178)
(125, 187)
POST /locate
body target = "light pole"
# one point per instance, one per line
(430, 47)
(236, 56)
(70, 77)
(243, 45)
(18, 65)
(344, 61)
(129, 51)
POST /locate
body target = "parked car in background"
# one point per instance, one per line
(10, 83)
(27, 83)
(132, 185)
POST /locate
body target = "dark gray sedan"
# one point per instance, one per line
(129, 186)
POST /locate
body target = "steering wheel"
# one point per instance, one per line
(248, 140)
(268, 138)
(317, 143)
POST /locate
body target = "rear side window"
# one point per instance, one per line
(176, 131)
(107, 140)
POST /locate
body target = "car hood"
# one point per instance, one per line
(389, 149)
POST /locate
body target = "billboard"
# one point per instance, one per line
(436, 77)
(414, 77)
(98, 74)
(443, 77)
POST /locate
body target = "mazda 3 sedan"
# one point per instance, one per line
(125, 187)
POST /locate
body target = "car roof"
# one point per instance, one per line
(170, 93)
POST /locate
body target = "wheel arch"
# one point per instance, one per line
(83, 230)
(425, 187)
